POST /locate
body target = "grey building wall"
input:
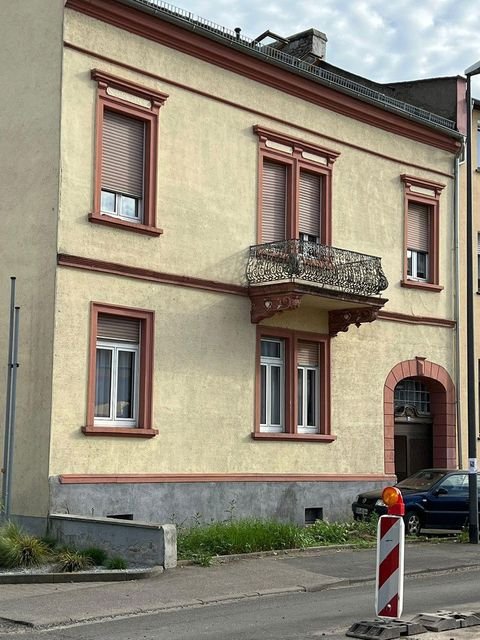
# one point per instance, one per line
(185, 502)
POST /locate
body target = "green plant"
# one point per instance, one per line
(230, 509)
(10, 530)
(203, 559)
(322, 532)
(464, 536)
(20, 549)
(366, 529)
(238, 536)
(201, 542)
(50, 542)
(69, 561)
(116, 563)
(96, 555)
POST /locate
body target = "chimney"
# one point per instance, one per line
(309, 45)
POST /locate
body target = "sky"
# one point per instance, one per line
(383, 40)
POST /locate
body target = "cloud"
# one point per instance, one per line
(384, 41)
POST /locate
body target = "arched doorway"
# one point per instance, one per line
(419, 393)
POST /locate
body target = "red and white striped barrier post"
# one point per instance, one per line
(390, 547)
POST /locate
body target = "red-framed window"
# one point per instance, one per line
(294, 187)
(292, 385)
(421, 233)
(120, 381)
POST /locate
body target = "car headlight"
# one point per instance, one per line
(379, 503)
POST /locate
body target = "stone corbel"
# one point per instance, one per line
(340, 320)
(267, 306)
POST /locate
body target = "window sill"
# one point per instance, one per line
(119, 432)
(111, 221)
(298, 437)
(426, 286)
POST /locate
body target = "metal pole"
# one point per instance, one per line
(471, 392)
(12, 412)
(8, 403)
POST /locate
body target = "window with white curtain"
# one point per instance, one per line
(292, 391)
(117, 371)
(272, 385)
(307, 387)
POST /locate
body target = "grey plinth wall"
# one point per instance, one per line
(140, 543)
(187, 502)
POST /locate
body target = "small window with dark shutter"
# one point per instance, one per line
(309, 211)
(274, 199)
(123, 165)
(418, 241)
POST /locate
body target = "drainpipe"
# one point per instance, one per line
(456, 257)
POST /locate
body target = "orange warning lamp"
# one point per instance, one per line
(392, 497)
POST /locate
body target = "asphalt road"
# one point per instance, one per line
(324, 614)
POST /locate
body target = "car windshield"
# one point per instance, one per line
(422, 480)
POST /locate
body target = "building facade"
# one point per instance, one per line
(236, 272)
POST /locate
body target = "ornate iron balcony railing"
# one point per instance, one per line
(329, 267)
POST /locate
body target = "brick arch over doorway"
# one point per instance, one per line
(442, 397)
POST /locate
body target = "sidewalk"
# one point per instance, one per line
(34, 606)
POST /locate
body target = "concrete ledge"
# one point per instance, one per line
(80, 576)
(141, 543)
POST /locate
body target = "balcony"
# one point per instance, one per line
(344, 283)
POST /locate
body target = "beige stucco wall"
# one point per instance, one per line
(204, 385)
(30, 75)
(209, 225)
(207, 204)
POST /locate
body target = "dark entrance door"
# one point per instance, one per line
(413, 448)
(413, 439)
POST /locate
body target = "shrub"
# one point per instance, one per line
(19, 549)
(69, 561)
(116, 563)
(96, 555)
(50, 542)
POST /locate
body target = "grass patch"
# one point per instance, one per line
(97, 556)
(116, 563)
(19, 549)
(239, 536)
(203, 541)
(69, 560)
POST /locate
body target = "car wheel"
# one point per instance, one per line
(413, 524)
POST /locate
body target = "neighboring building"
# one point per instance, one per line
(197, 223)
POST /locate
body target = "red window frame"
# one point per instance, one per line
(149, 115)
(417, 190)
(291, 339)
(294, 156)
(144, 423)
